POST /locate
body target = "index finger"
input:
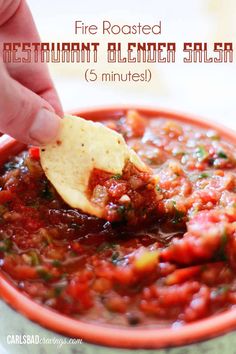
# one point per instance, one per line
(17, 24)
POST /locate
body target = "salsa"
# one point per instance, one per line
(131, 196)
(174, 267)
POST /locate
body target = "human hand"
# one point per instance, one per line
(29, 105)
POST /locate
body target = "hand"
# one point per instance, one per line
(29, 105)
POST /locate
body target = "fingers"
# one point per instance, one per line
(24, 115)
(16, 22)
(7, 9)
(50, 95)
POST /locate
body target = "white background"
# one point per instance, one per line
(207, 90)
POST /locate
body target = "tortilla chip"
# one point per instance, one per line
(81, 146)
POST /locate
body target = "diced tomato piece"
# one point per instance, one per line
(34, 153)
(21, 271)
(79, 291)
(5, 196)
(136, 122)
(181, 275)
(116, 304)
(198, 307)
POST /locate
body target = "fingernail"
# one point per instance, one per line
(45, 127)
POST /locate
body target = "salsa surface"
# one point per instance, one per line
(175, 267)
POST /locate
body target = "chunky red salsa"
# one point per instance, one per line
(174, 268)
(131, 196)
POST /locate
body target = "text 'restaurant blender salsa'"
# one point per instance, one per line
(174, 267)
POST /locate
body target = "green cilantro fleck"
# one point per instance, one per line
(122, 210)
(201, 153)
(158, 189)
(34, 258)
(56, 263)
(178, 217)
(221, 290)
(203, 175)
(178, 214)
(5, 245)
(117, 176)
(44, 274)
(224, 239)
(46, 192)
(220, 254)
(58, 290)
(222, 155)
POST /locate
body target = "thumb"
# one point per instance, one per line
(23, 114)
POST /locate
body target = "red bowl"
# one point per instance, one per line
(109, 335)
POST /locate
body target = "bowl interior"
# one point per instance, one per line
(104, 334)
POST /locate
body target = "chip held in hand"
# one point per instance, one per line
(82, 147)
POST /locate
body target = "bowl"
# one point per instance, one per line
(94, 336)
